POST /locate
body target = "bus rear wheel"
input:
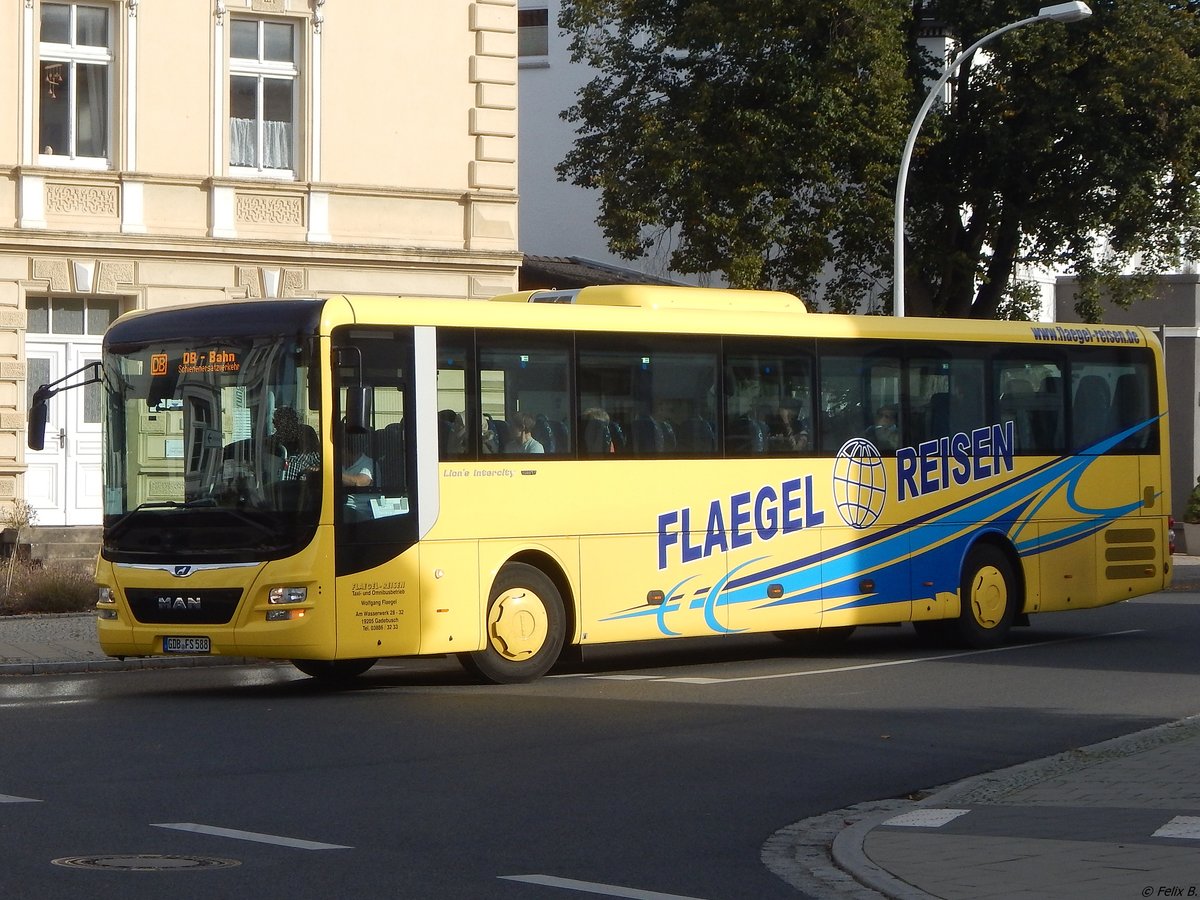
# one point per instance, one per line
(525, 627)
(988, 597)
(333, 670)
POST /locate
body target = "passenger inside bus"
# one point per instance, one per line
(296, 443)
(523, 440)
(789, 430)
(597, 432)
(884, 434)
(489, 439)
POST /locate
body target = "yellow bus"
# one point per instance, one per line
(333, 481)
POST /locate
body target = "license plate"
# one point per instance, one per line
(187, 645)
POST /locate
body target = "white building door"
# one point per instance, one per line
(63, 481)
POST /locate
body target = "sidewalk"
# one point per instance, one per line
(41, 645)
(1119, 819)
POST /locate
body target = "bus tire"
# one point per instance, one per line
(988, 598)
(525, 627)
(333, 670)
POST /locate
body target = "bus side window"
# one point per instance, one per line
(1089, 411)
(1050, 416)
(1129, 408)
(1113, 395)
(1015, 407)
(768, 398)
(525, 380)
(1027, 395)
(454, 368)
(659, 394)
(945, 396)
(861, 399)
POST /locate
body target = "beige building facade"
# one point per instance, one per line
(160, 152)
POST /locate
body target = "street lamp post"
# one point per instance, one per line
(1060, 12)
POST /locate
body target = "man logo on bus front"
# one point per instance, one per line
(183, 571)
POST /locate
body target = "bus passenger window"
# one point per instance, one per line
(1029, 397)
(768, 399)
(524, 393)
(454, 358)
(659, 394)
(945, 397)
(860, 399)
(1113, 395)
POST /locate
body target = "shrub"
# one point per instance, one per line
(1192, 513)
(49, 589)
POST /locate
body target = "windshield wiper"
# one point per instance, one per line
(173, 504)
(122, 523)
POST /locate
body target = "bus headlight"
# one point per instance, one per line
(105, 600)
(284, 615)
(288, 595)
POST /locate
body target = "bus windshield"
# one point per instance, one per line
(212, 448)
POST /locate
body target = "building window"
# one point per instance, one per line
(75, 56)
(70, 315)
(263, 78)
(533, 32)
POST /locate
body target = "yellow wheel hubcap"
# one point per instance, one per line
(518, 624)
(989, 597)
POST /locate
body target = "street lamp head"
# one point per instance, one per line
(1065, 12)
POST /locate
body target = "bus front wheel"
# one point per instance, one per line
(332, 670)
(525, 627)
(988, 597)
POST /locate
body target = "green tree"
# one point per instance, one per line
(763, 139)
(758, 136)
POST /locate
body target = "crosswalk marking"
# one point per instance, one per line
(926, 818)
(1181, 827)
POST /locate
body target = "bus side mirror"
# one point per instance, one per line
(359, 409)
(39, 415)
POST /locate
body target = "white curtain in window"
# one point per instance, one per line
(277, 144)
(241, 142)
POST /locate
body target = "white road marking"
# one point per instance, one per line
(896, 662)
(925, 818)
(1180, 827)
(250, 836)
(589, 887)
(25, 704)
(5, 798)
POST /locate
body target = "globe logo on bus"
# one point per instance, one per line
(859, 483)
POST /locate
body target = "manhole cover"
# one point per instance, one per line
(145, 862)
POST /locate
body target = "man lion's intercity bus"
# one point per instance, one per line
(335, 481)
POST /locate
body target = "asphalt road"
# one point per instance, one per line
(649, 771)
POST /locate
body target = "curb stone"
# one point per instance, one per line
(824, 855)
